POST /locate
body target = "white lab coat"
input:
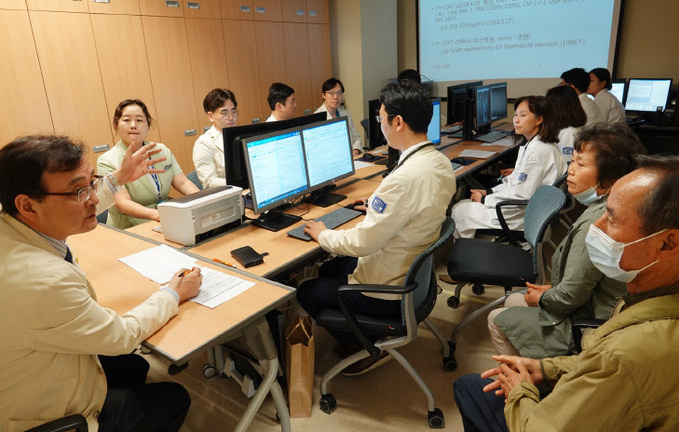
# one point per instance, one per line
(611, 109)
(538, 163)
(208, 157)
(567, 141)
(591, 109)
(404, 218)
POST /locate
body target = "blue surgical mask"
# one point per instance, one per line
(588, 196)
(606, 254)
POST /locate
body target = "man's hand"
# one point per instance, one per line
(477, 195)
(506, 172)
(314, 229)
(511, 371)
(136, 163)
(356, 152)
(186, 286)
(534, 292)
(361, 204)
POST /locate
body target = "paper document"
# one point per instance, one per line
(360, 164)
(507, 141)
(477, 154)
(218, 288)
(159, 263)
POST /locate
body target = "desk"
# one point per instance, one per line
(196, 328)
(453, 147)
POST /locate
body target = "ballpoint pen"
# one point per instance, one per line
(185, 272)
(217, 260)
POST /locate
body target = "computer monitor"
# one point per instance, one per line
(375, 136)
(647, 94)
(236, 172)
(434, 128)
(329, 158)
(618, 87)
(277, 174)
(482, 108)
(498, 101)
(457, 96)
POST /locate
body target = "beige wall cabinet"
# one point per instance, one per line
(267, 10)
(243, 67)
(317, 11)
(115, 7)
(203, 9)
(293, 10)
(123, 64)
(24, 109)
(296, 38)
(320, 61)
(208, 60)
(165, 8)
(271, 53)
(170, 65)
(238, 9)
(13, 4)
(70, 71)
(58, 5)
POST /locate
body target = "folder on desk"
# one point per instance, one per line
(477, 154)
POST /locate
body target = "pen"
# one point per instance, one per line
(185, 272)
(217, 260)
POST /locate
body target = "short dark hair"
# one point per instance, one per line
(548, 130)
(118, 113)
(330, 84)
(279, 92)
(660, 209)
(615, 148)
(603, 75)
(217, 98)
(410, 74)
(24, 161)
(567, 107)
(410, 101)
(577, 77)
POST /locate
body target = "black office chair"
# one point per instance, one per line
(366, 128)
(193, 176)
(478, 262)
(75, 422)
(418, 293)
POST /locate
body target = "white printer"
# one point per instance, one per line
(191, 218)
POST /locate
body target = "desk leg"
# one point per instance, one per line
(258, 338)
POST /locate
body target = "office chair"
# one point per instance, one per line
(193, 176)
(366, 128)
(418, 293)
(578, 329)
(478, 262)
(75, 422)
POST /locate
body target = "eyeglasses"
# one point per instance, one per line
(229, 113)
(379, 118)
(335, 93)
(84, 193)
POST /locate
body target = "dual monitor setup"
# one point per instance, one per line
(476, 106)
(642, 94)
(285, 160)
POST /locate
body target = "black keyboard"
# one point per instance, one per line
(450, 130)
(491, 137)
(331, 220)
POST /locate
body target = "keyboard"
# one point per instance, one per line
(450, 130)
(331, 220)
(491, 137)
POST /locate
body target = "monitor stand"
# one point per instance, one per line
(274, 220)
(325, 198)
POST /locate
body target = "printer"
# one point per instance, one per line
(191, 218)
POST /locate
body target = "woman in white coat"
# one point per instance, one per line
(570, 117)
(537, 163)
(333, 93)
(612, 110)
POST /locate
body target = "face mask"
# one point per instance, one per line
(588, 196)
(606, 253)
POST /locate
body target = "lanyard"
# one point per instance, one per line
(410, 154)
(156, 181)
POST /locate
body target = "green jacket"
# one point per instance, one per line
(624, 380)
(142, 191)
(579, 290)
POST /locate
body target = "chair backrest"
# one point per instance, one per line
(561, 180)
(193, 176)
(366, 127)
(543, 207)
(421, 271)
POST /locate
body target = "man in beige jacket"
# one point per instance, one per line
(624, 379)
(60, 352)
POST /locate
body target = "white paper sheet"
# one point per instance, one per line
(219, 287)
(476, 154)
(159, 263)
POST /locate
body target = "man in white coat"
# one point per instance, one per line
(62, 353)
(579, 79)
(404, 217)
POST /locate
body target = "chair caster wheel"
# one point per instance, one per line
(209, 371)
(436, 419)
(478, 289)
(453, 302)
(328, 403)
(449, 364)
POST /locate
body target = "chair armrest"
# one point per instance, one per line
(579, 326)
(73, 422)
(344, 290)
(501, 218)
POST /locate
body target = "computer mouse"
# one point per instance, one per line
(368, 157)
(459, 160)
